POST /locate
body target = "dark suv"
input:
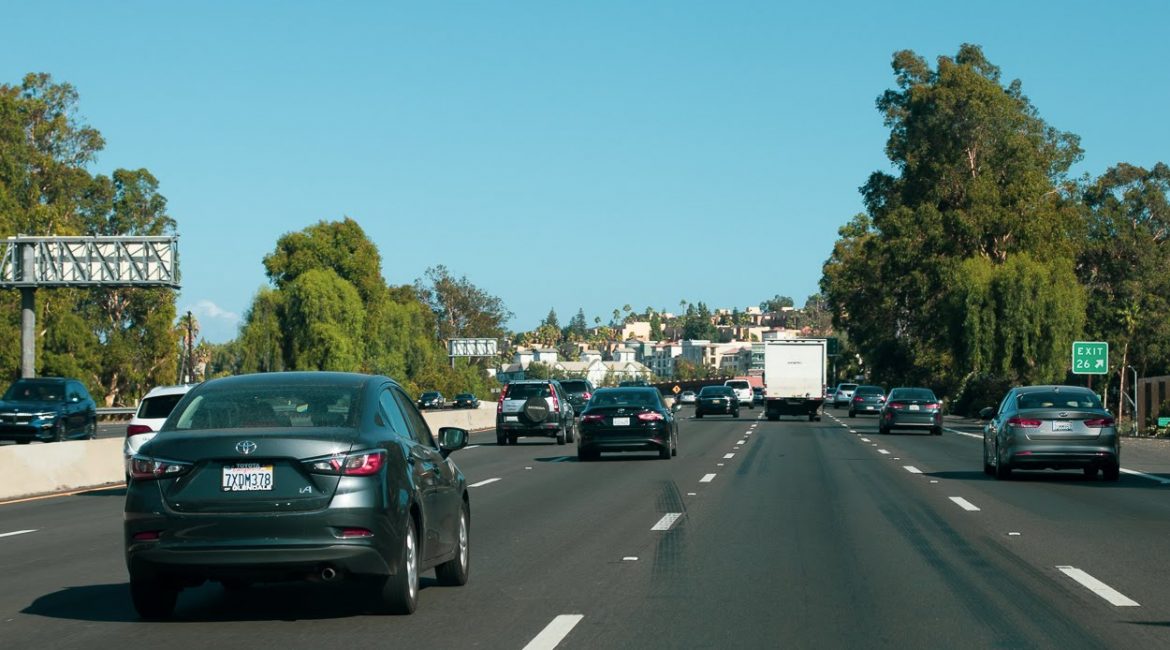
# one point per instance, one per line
(579, 391)
(534, 407)
(49, 409)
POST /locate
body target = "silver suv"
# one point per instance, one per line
(844, 395)
(535, 407)
(743, 391)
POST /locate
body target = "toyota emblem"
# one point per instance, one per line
(1062, 414)
(245, 447)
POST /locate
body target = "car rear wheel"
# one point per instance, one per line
(698, 415)
(937, 431)
(1090, 472)
(562, 434)
(91, 430)
(501, 440)
(513, 439)
(585, 455)
(59, 431)
(399, 593)
(1003, 471)
(885, 431)
(453, 573)
(153, 599)
(1111, 472)
(852, 414)
(664, 452)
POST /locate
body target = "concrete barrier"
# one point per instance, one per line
(39, 468)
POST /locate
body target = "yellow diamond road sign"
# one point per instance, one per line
(676, 389)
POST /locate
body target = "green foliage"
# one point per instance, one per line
(461, 308)
(776, 303)
(977, 391)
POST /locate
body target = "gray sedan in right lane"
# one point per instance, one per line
(1050, 427)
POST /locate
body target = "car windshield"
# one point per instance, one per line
(618, 397)
(465, 396)
(34, 391)
(846, 386)
(524, 391)
(715, 391)
(738, 385)
(1059, 399)
(430, 395)
(267, 406)
(922, 394)
(869, 390)
(158, 407)
(575, 386)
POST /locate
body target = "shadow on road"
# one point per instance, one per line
(119, 491)
(1050, 477)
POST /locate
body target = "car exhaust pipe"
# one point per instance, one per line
(328, 574)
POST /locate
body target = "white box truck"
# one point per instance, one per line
(794, 377)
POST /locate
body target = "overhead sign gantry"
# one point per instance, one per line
(29, 263)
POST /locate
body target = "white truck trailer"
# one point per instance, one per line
(794, 377)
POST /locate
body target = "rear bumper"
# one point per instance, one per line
(260, 564)
(609, 439)
(1029, 455)
(903, 420)
(544, 429)
(709, 409)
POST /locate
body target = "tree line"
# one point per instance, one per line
(980, 260)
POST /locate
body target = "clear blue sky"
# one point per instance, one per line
(558, 154)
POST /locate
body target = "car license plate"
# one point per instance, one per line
(511, 418)
(1062, 426)
(869, 408)
(915, 407)
(247, 477)
(621, 422)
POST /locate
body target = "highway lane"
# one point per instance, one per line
(802, 535)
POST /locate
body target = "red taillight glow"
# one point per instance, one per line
(1097, 423)
(930, 407)
(1023, 423)
(587, 396)
(591, 417)
(859, 399)
(143, 468)
(556, 402)
(354, 533)
(135, 429)
(500, 404)
(363, 464)
(896, 405)
(147, 536)
(650, 416)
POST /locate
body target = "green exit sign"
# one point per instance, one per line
(1090, 358)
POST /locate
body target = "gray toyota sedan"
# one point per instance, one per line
(296, 476)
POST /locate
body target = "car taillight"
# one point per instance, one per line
(650, 416)
(135, 429)
(144, 468)
(1023, 423)
(586, 396)
(897, 406)
(591, 417)
(931, 406)
(556, 402)
(1097, 423)
(500, 404)
(354, 533)
(361, 464)
(858, 399)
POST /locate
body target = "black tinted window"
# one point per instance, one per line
(922, 394)
(869, 390)
(35, 391)
(1060, 400)
(295, 405)
(575, 385)
(158, 407)
(524, 391)
(636, 398)
(715, 391)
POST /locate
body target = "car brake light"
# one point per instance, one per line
(135, 429)
(1097, 423)
(353, 533)
(591, 417)
(1023, 423)
(931, 406)
(897, 406)
(587, 396)
(143, 468)
(500, 404)
(650, 416)
(858, 399)
(147, 536)
(556, 402)
(360, 464)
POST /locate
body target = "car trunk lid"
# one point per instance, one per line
(1060, 424)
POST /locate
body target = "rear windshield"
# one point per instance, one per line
(924, 394)
(574, 385)
(465, 396)
(847, 387)
(431, 395)
(738, 384)
(869, 390)
(1060, 400)
(268, 407)
(618, 397)
(713, 391)
(158, 408)
(524, 391)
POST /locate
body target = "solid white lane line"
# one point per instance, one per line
(964, 433)
(912, 469)
(1094, 585)
(471, 447)
(17, 532)
(1159, 479)
(554, 632)
(707, 478)
(483, 483)
(865, 439)
(965, 504)
(728, 456)
(883, 451)
(667, 521)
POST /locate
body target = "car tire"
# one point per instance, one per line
(501, 440)
(58, 431)
(91, 430)
(153, 599)
(664, 452)
(773, 418)
(674, 448)
(399, 592)
(937, 431)
(735, 414)
(571, 432)
(513, 439)
(1003, 471)
(1111, 472)
(562, 435)
(885, 431)
(587, 455)
(454, 572)
(1090, 472)
(698, 415)
(852, 414)
(235, 585)
(23, 442)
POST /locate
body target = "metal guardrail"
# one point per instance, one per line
(117, 412)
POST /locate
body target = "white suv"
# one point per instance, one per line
(743, 391)
(152, 412)
(844, 394)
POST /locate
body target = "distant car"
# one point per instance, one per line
(687, 397)
(743, 391)
(49, 409)
(579, 391)
(153, 409)
(278, 476)
(757, 395)
(432, 399)
(843, 394)
(867, 400)
(633, 382)
(1050, 427)
(716, 400)
(534, 407)
(911, 408)
(465, 401)
(627, 419)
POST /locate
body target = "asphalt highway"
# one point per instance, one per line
(788, 534)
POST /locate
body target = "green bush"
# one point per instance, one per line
(978, 390)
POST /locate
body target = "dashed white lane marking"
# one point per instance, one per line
(865, 440)
(728, 456)
(630, 558)
(667, 521)
(1159, 479)
(484, 482)
(883, 451)
(471, 447)
(17, 532)
(741, 442)
(965, 504)
(1094, 585)
(554, 632)
(912, 469)
(707, 478)
(964, 433)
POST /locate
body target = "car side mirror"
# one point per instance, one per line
(452, 439)
(986, 413)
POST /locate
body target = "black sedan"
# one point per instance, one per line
(431, 399)
(465, 401)
(716, 400)
(296, 476)
(627, 419)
